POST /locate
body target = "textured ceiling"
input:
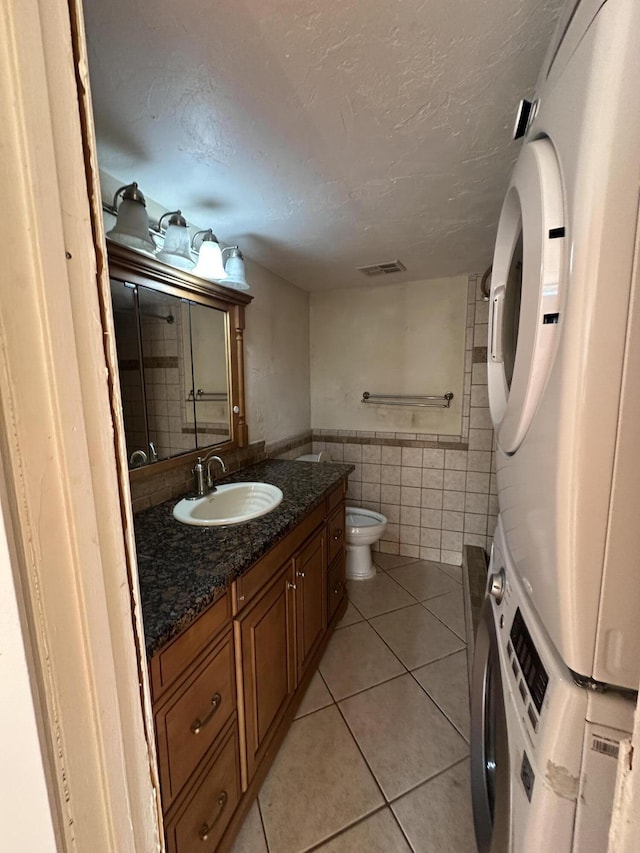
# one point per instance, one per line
(320, 135)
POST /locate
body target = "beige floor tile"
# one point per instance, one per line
(437, 816)
(454, 572)
(251, 838)
(318, 785)
(416, 636)
(376, 834)
(447, 682)
(350, 617)
(449, 608)
(391, 561)
(424, 580)
(356, 658)
(402, 734)
(379, 594)
(316, 696)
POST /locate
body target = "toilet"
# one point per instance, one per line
(363, 528)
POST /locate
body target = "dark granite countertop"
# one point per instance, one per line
(181, 567)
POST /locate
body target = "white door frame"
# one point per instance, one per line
(62, 448)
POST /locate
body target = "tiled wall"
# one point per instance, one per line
(438, 493)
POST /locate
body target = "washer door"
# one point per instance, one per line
(490, 782)
(525, 292)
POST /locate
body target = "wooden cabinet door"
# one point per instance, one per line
(265, 635)
(310, 572)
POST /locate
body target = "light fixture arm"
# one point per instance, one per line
(209, 237)
(176, 219)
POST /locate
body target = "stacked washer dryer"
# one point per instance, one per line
(558, 651)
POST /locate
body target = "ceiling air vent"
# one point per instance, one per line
(385, 268)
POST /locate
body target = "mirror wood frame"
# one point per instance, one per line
(130, 266)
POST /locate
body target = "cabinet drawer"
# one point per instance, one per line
(198, 827)
(190, 721)
(336, 585)
(335, 527)
(174, 659)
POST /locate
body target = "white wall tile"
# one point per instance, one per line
(455, 460)
(390, 474)
(410, 496)
(432, 478)
(370, 473)
(391, 455)
(475, 523)
(371, 492)
(477, 482)
(412, 456)
(410, 515)
(479, 460)
(371, 453)
(411, 476)
(390, 494)
(430, 537)
(390, 511)
(432, 498)
(432, 518)
(455, 481)
(452, 500)
(432, 458)
(452, 520)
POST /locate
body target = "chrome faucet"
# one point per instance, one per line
(205, 484)
(211, 483)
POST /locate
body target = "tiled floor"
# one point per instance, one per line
(377, 758)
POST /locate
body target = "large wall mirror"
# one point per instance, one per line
(180, 357)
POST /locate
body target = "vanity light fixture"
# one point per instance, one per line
(176, 249)
(132, 223)
(210, 265)
(234, 268)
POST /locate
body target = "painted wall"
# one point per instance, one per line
(276, 357)
(388, 339)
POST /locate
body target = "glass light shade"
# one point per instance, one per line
(235, 270)
(132, 227)
(176, 249)
(210, 264)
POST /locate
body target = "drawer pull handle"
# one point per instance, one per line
(299, 574)
(206, 828)
(198, 725)
(291, 585)
(338, 534)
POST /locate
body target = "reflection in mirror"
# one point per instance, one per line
(181, 374)
(209, 389)
(123, 299)
(162, 333)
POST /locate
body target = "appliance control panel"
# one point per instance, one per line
(529, 673)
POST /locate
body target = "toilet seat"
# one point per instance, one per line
(357, 518)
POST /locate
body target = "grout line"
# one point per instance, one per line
(441, 620)
(264, 831)
(370, 687)
(427, 780)
(346, 829)
(434, 700)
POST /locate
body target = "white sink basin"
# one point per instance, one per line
(232, 503)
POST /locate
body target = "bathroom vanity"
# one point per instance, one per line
(236, 620)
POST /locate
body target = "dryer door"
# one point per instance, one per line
(525, 292)
(490, 781)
